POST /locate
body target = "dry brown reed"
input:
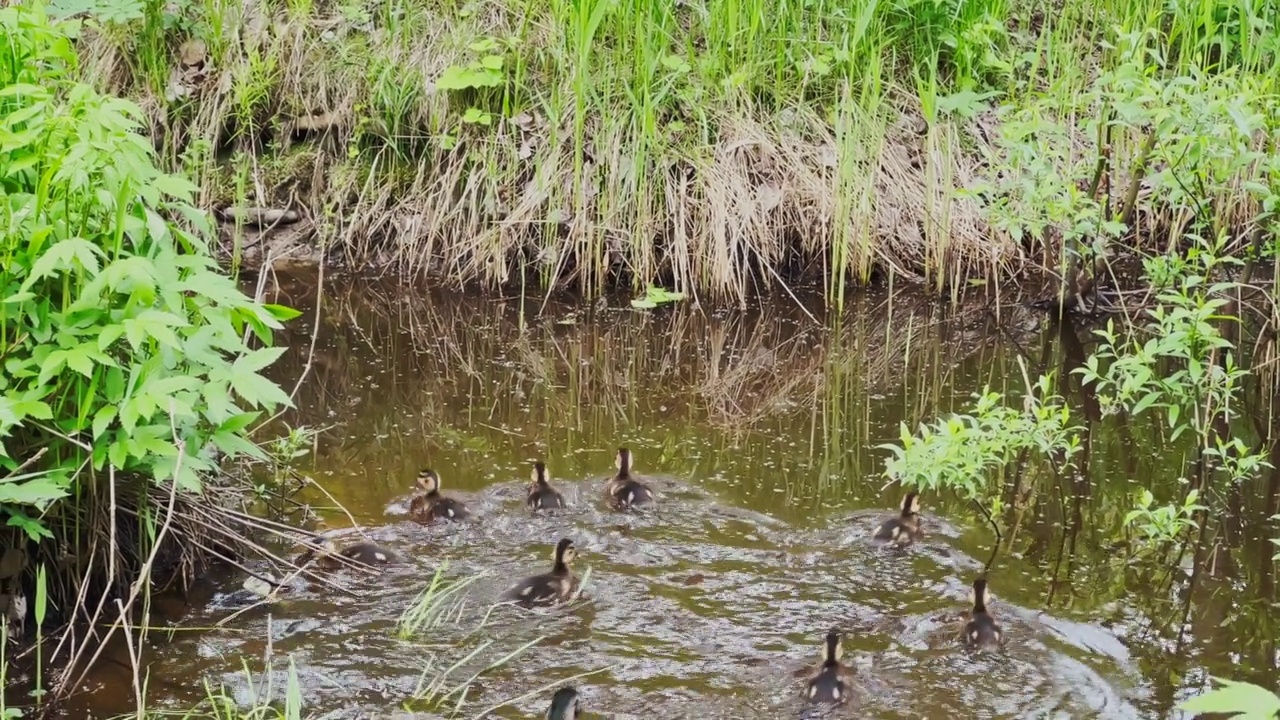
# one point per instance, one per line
(763, 201)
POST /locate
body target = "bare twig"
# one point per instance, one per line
(999, 538)
(144, 573)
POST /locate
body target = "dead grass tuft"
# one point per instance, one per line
(338, 113)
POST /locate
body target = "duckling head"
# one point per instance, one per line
(911, 504)
(979, 596)
(540, 475)
(832, 649)
(429, 481)
(564, 705)
(623, 461)
(565, 552)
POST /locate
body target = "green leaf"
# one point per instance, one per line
(64, 255)
(109, 335)
(259, 391)
(19, 297)
(233, 444)
(236, 423)
(118, 454)
(37, 492)
(458, 78)
(282, 312)
(218, 402)
(35, 530)
(175, 186)
(102, 420)
(79, 360)
(154, 324)
(476, 116)
(257, 360)
(51, 366)
(1145, 403)
(1245, 701)
(655, 296)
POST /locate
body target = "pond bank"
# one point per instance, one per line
(696, 146)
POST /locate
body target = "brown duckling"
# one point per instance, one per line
(564, 705)
(549, 588)
(624, 491)
(541, 495)
(981, 629)
(830, 684)
(431, 505)
(365, 553)
(903, 529)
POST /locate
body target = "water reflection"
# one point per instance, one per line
(759, 430)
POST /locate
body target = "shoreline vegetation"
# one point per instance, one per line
(716, 147)
(711, 147)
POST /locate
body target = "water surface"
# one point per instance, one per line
(760, 429)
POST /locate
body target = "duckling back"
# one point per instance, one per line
(434, 506)
(368, 553)
(541, 495)
(982, 631)
(904, 528)
(898, 531)
(625, 493)
(549, 588)
(545, 499)
(828, 686)
(449, 509)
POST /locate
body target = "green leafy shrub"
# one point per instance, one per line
(960, 453)
(1180, 368)
(123, 345)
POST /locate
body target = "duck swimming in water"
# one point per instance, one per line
(548, 588)
(980, 629)
(564, 705)
(431, 504)
(365, 553)
(541, 495)
(623, 490)
(904, 528)
(830, 684)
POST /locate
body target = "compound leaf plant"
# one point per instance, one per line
(124, 348)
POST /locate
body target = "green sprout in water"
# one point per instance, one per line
(655, 296)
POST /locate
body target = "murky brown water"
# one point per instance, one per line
(759, 430)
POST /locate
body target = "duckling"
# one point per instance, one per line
(431, 505)
(564, 705)
(830, 684)
(541, 494)
(905, 528)
(549, 588)
(624, 491)
(365, 553)
(981, 629)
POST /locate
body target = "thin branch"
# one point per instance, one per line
(999, 538)
(144, 573)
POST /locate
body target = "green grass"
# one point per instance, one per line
(712, 146)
